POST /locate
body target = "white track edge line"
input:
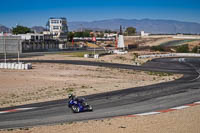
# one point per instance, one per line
(149, 113)
(180, 107)
(21, 109)
(2, 112)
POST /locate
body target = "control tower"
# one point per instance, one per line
(58, 27)
(121, 44)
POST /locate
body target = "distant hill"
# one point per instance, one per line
(4, 29)
(38, 29)
(148, 25)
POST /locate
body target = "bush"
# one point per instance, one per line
(182, 49)
(157, 48)
(195, 49)
(161, 74)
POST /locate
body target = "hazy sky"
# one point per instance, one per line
(37, 12)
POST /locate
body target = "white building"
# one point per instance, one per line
(32, 36)
(31, 42)
(144, 34)
(110, 34)
(58, 27)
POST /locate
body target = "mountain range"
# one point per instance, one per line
(4, 29)
(148, 25)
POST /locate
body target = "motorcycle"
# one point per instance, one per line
(78, 105)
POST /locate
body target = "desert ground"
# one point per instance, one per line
(146, 41)
(54, 81)
(47, 82)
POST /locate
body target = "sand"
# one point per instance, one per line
(47, 82)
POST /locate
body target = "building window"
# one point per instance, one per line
(55, 21)
(56, 27)
(37, 37)
(32, 37)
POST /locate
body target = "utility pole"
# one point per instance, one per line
(18, 50)
(4, 41)
(81, 27)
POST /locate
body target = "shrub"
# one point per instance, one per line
(182, 49)
(157, 48)
(195, 49)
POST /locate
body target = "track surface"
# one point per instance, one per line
(130, 101)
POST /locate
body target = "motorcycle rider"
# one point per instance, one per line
(73, 97)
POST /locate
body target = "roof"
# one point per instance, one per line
(57, 18)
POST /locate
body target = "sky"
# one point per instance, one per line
(36, 12)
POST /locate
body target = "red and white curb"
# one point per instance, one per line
(164, 111)
(16, 110)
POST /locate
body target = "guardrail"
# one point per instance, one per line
(170, 55)
(16, 66)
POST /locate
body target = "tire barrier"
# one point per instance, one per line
(16, 66)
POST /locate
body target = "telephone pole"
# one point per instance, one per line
(18, 53)
(4, 42)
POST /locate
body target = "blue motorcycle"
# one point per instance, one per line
(78, 105)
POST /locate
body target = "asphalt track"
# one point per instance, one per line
(117, 103)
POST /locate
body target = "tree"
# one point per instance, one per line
(86, 34)
(82, 34)
(108, 31)
(70, 36)
(130, 31)
(21, 30)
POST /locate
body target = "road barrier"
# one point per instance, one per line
(96, 56)
(170, 55)
(120, 52)
(17, 66)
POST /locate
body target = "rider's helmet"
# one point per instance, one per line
(71, 96)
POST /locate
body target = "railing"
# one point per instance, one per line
(170, 55)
